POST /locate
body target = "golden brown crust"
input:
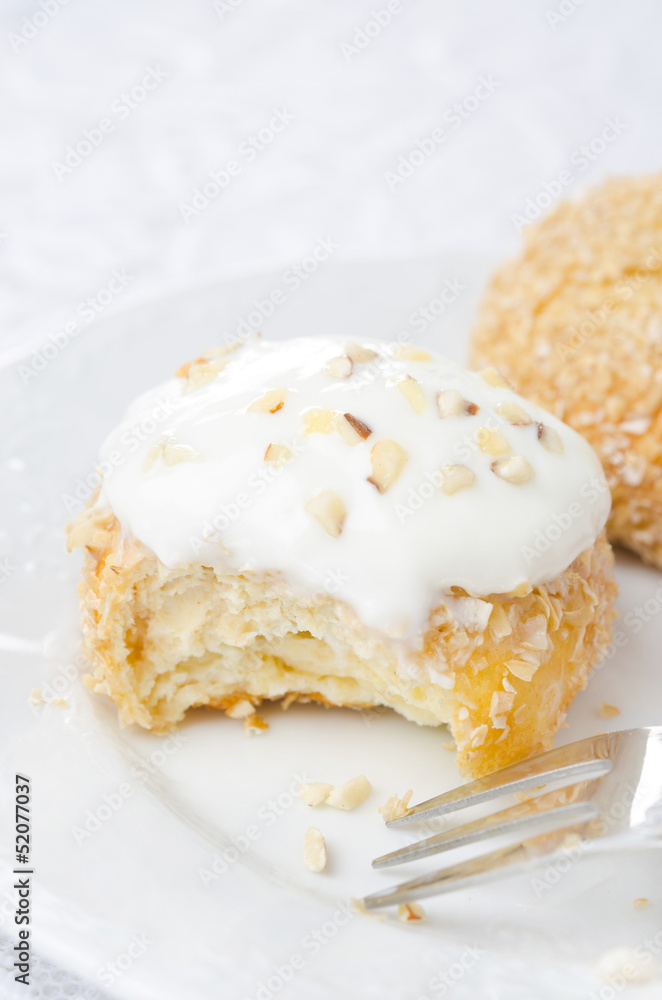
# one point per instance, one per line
(575, 323)
(163, 641)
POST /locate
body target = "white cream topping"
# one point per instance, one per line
(189, 479)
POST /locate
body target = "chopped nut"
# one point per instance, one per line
(410, 911)
(359, 355)
(351, 794)
(522, 669)
(362, 429)
(170, 452)
(608, 711)
(351, 430)
(408, 353)
(388, 460)
(254, 725)
(314, 850)
(395, 807)
(513, 413)
(340, 367)
(494, 378)
(492, 442)
(272, 401)
(455, 477)
(329, 510)
(549, 439)
(515, 470)
(318, 421)
(36, 696)
(413, 393)
(640, 903)
(314, 793)
(278, 454)
(199, 372)
(450, 403)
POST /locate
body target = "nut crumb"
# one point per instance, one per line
(270, 402)
(340, 367)
(413, 393)
(329, 510)
(351, 794)
(278, 454)
(515, 470)
(359, 907)
(410, 911)
(358, 354)
(455, 477)
(314, 850)
(314, 793)
(641, 903)
(388, 460)
(408, 353)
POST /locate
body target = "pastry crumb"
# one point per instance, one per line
(395, 807)
(255, 725)
(608, 711)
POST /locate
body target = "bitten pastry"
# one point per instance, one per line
(575, 322)
(353, 524)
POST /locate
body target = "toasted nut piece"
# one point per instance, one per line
(413, 393)
(492, 442)
(314, 793)
(608, 711)
(216, 352)
(329, 510)
(456, 477)
(314, 850)
(408, 353)
(278, 454)
(450, 403)
(170, 451)
(522, 669)
(318, 421)
(359, 355)
(478, 735)
(495, 378)
(388, 460)
(272, 401)
(549, 439)
(499, 623)
(361, 429)
(340, 367)
(199, 372)
(347, 431)
(410, 911)
(395, 807)
(351, 794)
(513, 413)
(515, 469)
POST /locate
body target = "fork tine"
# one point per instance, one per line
(554, 766)
(514, 860)
(526, 819)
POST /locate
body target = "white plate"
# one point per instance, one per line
(134, 834)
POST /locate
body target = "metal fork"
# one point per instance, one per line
(608, 796)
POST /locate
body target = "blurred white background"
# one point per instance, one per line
(114, 113)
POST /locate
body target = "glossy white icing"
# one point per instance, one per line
(186, 475)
